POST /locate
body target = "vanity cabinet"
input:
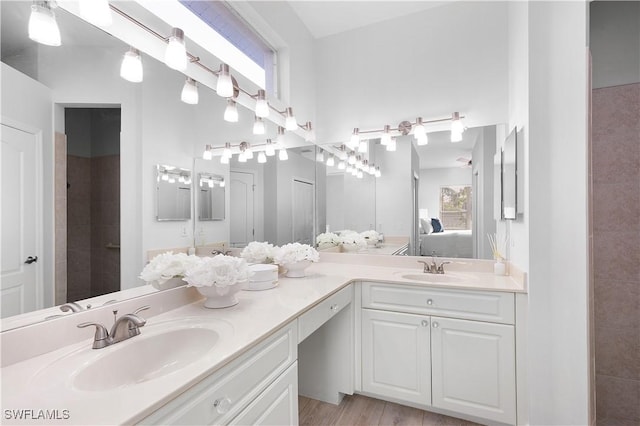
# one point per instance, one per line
(260, 384)
(447, 349)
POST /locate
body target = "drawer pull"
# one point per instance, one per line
(435, 324)
(425, 323)
(222, 405)
(334, 307)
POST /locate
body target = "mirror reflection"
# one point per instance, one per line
(211, 195)
(173, 193)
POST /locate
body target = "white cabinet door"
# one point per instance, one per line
(277, 405)
(473, 367)
(396, 355)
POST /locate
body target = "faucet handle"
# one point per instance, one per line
(140, 309)
(441, 267)
(101, 338)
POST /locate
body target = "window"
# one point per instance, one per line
(226, 22)
(455, 207)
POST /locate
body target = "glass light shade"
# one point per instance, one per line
(231, 112)
(348, 168)
(456, 137)
(360, 175)
(131, 67)
(391, 146)
(354, 141)
(378, 173)
(310, 136)
(224, 160)
(262, 106)
(282, 155)
(354, 171)
(224, 85)
(280, 137)
(457, 126)
(372, 170)
(165, 176)
(172, 179)
(419, 131)
(175, 56)
(422, 140)
(223, 183)
(249, 154)
(242, 157)
(385, 139)
(342, 165)
(270, 149)
(43, 27)
(207, 155)
(227, 150)
(320, 156)
(210, 183)
(331, 161)
(258, 126)
(363, 146)
(352, 159)
(96, 12)
(291, 123)
(189, 92)
(262, 158)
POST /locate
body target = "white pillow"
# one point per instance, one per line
(426, 226)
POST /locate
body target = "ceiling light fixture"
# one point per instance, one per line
(262, 106)
(258, 126)
(224, 85)
(420, 133)
(354, 141)
(97, 12)
(231, 111)
(43, 27)
(391, 146)
(270, 148)
(262, 158)
(207, 155)
(320, 155)
(457, 128)
(331, 161)
(189, 93)
(290, 122)
(131, 67)
(175, 56)
(226, 151)
(386, 135)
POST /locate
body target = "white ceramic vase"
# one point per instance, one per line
(170, 283)
(296, 269)
(350, 247)
(220, 297)
(499, 268)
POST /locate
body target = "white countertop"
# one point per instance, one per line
(258, 315)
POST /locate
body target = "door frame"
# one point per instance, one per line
(39, 210)
(313, 219)
(253, 196)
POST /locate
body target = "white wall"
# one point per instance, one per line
(432, 179)
(27, 104)
(429, 64)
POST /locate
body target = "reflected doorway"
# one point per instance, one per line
(93, 201)
(241, 208)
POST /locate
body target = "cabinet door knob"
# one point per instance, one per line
(334, 307)
(435, 324)
(429, 301)
(222, 405)
(425, 323)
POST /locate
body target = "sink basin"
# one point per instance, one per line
(146, 358)
(160, 350)
(433, 278)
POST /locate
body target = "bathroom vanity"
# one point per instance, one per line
(376, 326)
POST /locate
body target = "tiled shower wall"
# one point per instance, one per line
(616, 261)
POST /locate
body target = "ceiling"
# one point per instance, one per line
(325, 18)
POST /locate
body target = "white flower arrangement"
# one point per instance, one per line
(327, 238)
(165, 266)
(258, 252)
(371, 235)
(220, 271)
(296, 252)
(353, 239)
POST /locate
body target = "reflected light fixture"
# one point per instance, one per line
(352, 158)
(360, 175)
(290, 122)
(320, 155)
(282, 155)
(207, 155)
(420, 133)
(270, 148)
(43, 27)
(262, 158)
(224, 160)
(354, 141)
(363, 146)
(310, 135)
(189, 93)
(258, 126)
(226, 151)
(248, 152)
(131, 67)
(457, 128)
(175, 56)
(231, 112)
(386, 135)
(331, 161)
(378, 173)
(210, 183)
(262, 106)
(242, 158)
(222, 183)
(342, 165)
(391, 146)
(280, 136)
(97, 12)
(224, 85)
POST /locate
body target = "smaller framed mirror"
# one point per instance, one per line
(211, 204)
(173, 193)
(509, 177)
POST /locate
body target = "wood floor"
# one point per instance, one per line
(364, 411)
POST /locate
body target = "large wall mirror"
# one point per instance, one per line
(211, 197)
(173, 193)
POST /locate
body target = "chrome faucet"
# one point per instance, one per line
(433, 267)
(125, 327)
(71, 306)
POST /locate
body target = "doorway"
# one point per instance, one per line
(303, 211)
(241, 208)
(93, 201)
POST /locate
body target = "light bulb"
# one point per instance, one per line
(43, 27)
(391, 146)
(242, 157)
(355, 139)
(231, 112)
(207, 155)
(189, 92)
(282, 155)
(352, 158)
(262, 158)
(97, 12)
(175, 56)
(331, 161)
(363, 146)
(258, 126)
(386, 136)
(290, 122)
(270, 149)
(131, 67)
(224, 160)
(262, 106)
(224, 86)
(320, 156)
(456, 123)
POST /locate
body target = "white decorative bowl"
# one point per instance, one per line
(221, 297)
(296, 269)
(170, 283)
(265, 276)
(350, 247)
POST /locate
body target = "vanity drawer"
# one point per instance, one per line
(313, 319)
(478, 305)
(220, 397)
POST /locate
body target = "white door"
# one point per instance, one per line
(20, 277)
(303, 212)
(241, 209)
(473, 368)
(396, 355)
